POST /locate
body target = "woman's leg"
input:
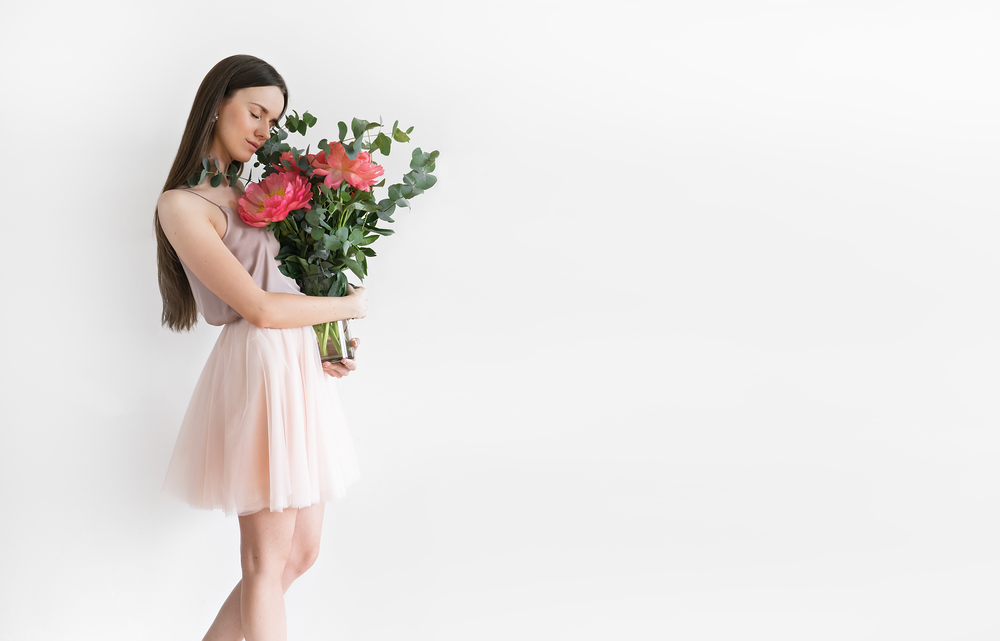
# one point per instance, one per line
(305, 547)
(265, 544)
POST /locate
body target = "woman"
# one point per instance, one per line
(264, 435)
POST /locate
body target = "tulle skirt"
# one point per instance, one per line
(264, 427)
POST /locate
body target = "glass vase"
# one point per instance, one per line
(334, 340)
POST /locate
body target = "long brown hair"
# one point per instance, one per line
(180, 310)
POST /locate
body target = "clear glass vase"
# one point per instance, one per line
(334, 340)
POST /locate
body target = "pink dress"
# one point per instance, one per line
(264, 427)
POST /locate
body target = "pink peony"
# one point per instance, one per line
(271, 199)
(360, 173)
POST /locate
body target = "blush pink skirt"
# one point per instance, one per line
(264, 427)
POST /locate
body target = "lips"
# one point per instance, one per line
(252, 145)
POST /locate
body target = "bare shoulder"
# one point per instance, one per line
(174, 202)
(183, 212)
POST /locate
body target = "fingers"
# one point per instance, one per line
(341, 369)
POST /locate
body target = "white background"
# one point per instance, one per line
(694, 339)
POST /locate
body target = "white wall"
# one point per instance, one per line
(696, 337)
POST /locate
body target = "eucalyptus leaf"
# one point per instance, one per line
(331, 242)
(358, 127)
(426, 181)
(384, 143)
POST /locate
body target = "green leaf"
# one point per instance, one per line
(356, 236)
(309, 119)
(343, 130)
(402, 202)
(358, 127)
(366, 240)
(318, 232)
(367, 251)
(355, 267)
(426, 181)
(216, 180)
(204, 172)
(325, 146)
(346, 246)
(409, 191)
(331, 242)
(383, 232)
(410, 130)
(399, 136)
(419, 159)
(383, 143)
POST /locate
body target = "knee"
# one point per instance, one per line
(303, 558)
(262, 561)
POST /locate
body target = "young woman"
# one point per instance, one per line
(264, 435)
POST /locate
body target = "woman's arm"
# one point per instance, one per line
(193, 236)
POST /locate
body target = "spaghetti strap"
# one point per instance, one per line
(200, 196)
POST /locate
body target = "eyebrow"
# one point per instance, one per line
(264, 109)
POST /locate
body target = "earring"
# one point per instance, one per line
(216, 116)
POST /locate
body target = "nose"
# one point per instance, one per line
(262, 132)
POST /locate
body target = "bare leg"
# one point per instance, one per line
(228, 624)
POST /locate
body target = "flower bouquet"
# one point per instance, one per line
(322, 209)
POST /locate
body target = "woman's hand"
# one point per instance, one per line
(360, 297)
(344, 367)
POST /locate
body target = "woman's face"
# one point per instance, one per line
(246, 118)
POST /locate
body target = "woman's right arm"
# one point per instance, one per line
(190, 231)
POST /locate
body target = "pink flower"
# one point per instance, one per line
(360, 173)
(271, 199)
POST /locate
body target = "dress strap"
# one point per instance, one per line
(200, 196)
